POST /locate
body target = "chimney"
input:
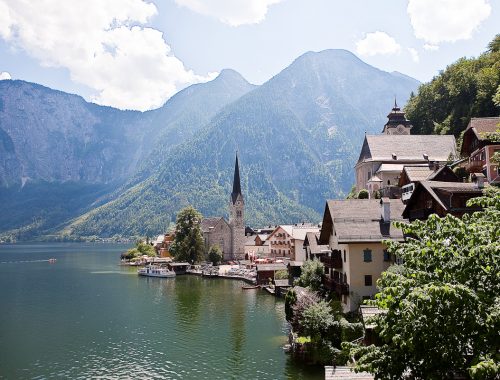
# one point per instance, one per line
(478, 179)
(385, 209)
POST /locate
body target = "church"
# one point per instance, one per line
(228, 235)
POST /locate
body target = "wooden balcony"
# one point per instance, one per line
(475, 166)
(335, 261)
(335, 286)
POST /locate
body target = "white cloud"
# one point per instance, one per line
(436, 21)
(104, 45)
(431, 47)
(4, 75)
(377, 43)
(414, 55)
(231, 12)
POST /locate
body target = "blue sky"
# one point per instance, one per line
(135, 54)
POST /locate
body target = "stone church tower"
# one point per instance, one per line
(237, 217)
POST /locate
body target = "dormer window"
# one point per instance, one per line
(394, 156)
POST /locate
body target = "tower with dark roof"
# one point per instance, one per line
(237, 216)
(397, 123)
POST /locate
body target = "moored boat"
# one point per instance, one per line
(155, 271)
(246, 287)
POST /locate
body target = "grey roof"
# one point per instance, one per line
(418, 173)
(441, 191)
(314, 246)
(360, 220)
(269, 267)
(282, 283)
(407, 148)
(482, 125)
(345, 373)
(208, 223)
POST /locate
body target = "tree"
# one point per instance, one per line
(467, 88)
(363, 194)
(188, 241)
(443, 305)
(281, 274)
(311, 275)
(215, 255)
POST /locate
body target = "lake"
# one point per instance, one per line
(86, 316)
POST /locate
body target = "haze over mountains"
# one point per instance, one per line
(298, 136)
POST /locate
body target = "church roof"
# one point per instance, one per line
(407, 148)
(209, 223)
(236, 182)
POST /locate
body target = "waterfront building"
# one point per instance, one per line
(354, 231)
(383, 156)
(479, 148)
(256, 246)
(287, 241)
(314, 250)
(267, 271)
(228, 235)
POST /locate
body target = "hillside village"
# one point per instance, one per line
(404, 177)
(400, 177)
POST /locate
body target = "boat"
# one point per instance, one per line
(156, 271)
(52, 260)
(246, 287)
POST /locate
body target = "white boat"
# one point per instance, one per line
(155, 271)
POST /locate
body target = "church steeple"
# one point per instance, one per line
(236, 181)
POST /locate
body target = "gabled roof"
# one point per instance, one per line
(481, 125)
(312, 239)
(360, 220)
(407, 148)
(441, 192)
(207, 224)
(297, 232)
(417, 173)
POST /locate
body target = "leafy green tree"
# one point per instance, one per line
(146, 249)
(188, 241)
(281, 274)
(352, 193)
(311, 275)
(363, 194)
(215, 255)
(467, 88)
(443, 305)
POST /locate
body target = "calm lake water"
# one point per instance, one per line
(85, 316)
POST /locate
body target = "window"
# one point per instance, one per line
(368, 280)
(238, 213)
(344, 256)
(367, 255)
(387, 255)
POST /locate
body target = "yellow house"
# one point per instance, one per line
(354, 230)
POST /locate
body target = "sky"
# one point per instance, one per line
(136, 54)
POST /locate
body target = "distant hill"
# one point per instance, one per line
(61, 156)
(298, 136)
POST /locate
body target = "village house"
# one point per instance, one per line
(228, 235)
(287, 241)
(412, 174)
(384, 156)
(314, 250)
(256, 246)
(479, 148)
(162, 244)
(354, 231)
(266, 272)
(442, 198)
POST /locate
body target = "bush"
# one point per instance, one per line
(215, 255)
(363, 194)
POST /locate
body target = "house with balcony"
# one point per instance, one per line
(442, 198)
(287, 241)
(354, 231)
(479, 147)
(314, 250)
(412, 174)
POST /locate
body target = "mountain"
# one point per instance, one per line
(60, 155)
(298, 136)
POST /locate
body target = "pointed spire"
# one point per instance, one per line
(236, 180)
(396, 108)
